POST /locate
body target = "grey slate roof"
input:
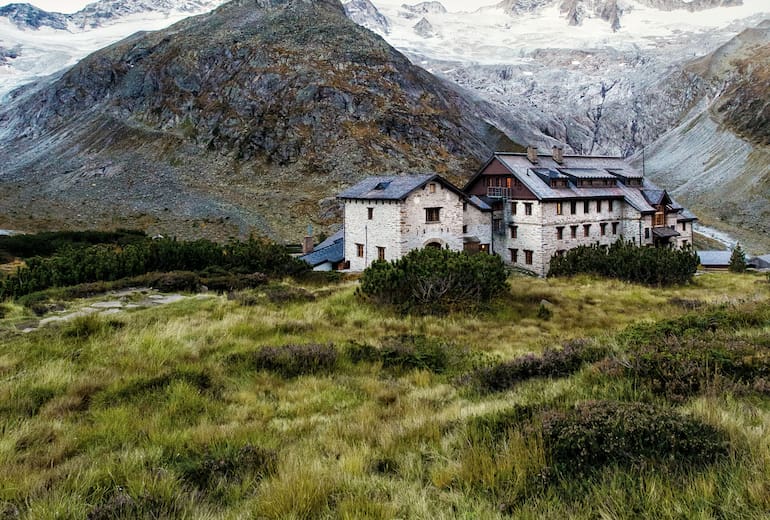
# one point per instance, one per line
(664, 232)
(393, 187)
(586, 167)
(714, 258)
(330, 250)
(483, 206)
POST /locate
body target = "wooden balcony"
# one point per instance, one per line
(498, 192)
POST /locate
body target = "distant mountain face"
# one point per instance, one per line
(35, 43)
(97, 14)
(364, 13)
(239, 120)
(717, 158)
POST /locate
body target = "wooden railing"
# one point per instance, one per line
(499, 192)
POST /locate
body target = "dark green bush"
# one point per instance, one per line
(552, 363)
(626, 261)
(695, 324)
(435, 280)
(282, 294)
(111, 262)
(408, 352)
(206, 467)
(234, 282)
(600, 433)
(678, 368)
(296, 360)
(177, 281)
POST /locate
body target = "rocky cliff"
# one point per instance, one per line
(234, 121)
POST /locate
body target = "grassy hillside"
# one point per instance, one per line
(304, 402)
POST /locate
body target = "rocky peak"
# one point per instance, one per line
(364, 13)
(424, 28)
(425, 8)
(26, 16)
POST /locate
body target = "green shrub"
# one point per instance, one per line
(110, 262)
(234, 282)
(600, 433)
(695, 324)
(678, 368)
(552, 363)
(207, 467)
(282, 294)
(296, 360)
(408, 352)
(435, 280)
(177, 281)
(626, 261)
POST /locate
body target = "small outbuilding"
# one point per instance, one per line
(329, 255)
(715, 259)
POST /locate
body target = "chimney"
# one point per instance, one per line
(558, 154)
(532, 154)
(307, 245)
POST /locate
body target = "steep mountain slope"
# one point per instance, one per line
(718, 158)
(240, 119)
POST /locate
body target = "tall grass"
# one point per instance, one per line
(167, 415)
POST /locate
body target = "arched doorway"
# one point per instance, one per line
(434, 245)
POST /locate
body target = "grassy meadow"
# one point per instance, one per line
(303, 401)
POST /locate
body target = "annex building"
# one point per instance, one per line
(524, 207)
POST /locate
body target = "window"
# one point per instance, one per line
(560, 232)
(585, 206)
(573, 231)
(380, 253)
(684, 226)
(360, 250)
(586, 229)
(610, 204)
(684, 243)
(484, 248)
(527, 208)
(465, 206)
(465, 229)
(497, 225)
(528, 257)
(598, 206)
(432, 187)
(559, 208)
(371, 213)
(513, 207)
(646, 232)
(514, 231)
(432, 214)
(603, 227)
(573, 207)
(514, 255)
(615, 228)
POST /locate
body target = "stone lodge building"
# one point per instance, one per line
(524, 207)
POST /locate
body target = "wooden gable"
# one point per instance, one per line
(496, 175)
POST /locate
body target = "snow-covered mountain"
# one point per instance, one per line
(36, 43)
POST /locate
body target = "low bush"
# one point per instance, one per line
(625, 260)
(207, 467)
(296, 360)
(600, 433)
(408, 352)
(282, 294)
(435, 281)
(695, 324)
(176, 281)
(234, 282)
(678, 368)
(552, 363)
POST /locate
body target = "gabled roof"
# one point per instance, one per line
(330, 250)
(392, 187)
(479, 203)
(535, 177)
(714, 258)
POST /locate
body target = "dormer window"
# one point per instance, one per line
(382, 185)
